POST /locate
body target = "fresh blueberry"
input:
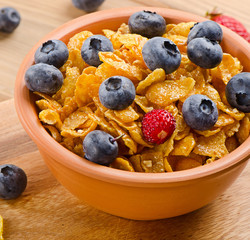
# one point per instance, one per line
(87, 5)
(199, 112)
(160, 52)
(204, 53)
(238, 91)
(13, 181)
(43, 78)
(52, 52)
(9, 19)
(100, 147)
(92, 46)
(117, 92)
(208, 29)
(146, 23)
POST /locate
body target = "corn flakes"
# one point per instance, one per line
(1, 228)
(169, 91)
(75, 110)
(123, 164)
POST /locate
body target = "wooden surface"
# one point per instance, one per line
(46, 210)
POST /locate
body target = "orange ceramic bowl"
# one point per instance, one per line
(141, 196)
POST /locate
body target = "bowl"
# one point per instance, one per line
(132, 195)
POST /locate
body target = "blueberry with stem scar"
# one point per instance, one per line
(100, 147)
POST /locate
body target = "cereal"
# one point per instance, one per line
(123, 164)
(169, 91)
(128, 141)
(184, 146)
(229, 67)
(186, 163)
(152, 161)
(1, 228)
(83, 84)
(213, 146)
(54, 132)
(75, 110)
(158, 75)
(121, 67)
(244, 129)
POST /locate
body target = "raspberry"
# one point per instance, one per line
(230, 23)
(158, 125)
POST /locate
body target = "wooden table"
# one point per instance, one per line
(46, 210)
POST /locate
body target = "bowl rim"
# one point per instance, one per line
(47, 144)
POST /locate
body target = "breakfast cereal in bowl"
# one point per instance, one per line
(149, 97)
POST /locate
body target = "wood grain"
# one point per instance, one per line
(46, 210)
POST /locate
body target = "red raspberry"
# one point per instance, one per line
(158, 125)
(230, 23)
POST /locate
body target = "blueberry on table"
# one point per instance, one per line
(100, 147)
(92, 46)
(87, 5)
(146, 23)
(9, 19)
(13, 181)
(52, 52)
(238, 91)
(199, 112)
(207, 29)
(43, 78)
(204, 53)
(117, 92)
(160, 52)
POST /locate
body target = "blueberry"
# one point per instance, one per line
(117, 92)
(43, 78)
(9, 19)
(199, 112)
(100, 147)
(207, 29)
(160, 52)
(204, 53)
(87, 5)
(146, 23)
(53, 52)
(92, 46)
(13, 181)
(238, 91)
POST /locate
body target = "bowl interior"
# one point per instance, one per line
(112, 19)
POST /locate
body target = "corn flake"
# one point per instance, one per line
(152, 162)
(76, 119)
(50, 117)
(136, 162)
(184, 163)
(83, 84)
(142, 101)
(125, 69)
(164, 93)
(69, 85)
(158, 75)
(1, 228)
(54, 132)
(213, 146)
(69, 133)
(122, 164)
(127, 115)
(228, 67)
(244, 130)
(128, 141)
(184, 146)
